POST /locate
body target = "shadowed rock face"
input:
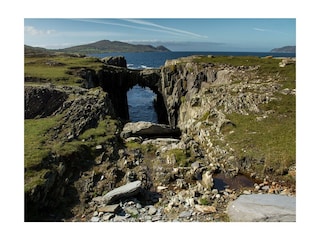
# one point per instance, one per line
(42, 101)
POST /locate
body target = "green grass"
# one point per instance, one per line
(145, 148)
(34, 178)
(102, 133)
(60, 70)
(183, 158)
(272, 139)
(238, 60)
(39, 145)
(204, 201)
(36, 149)
(267, 67)
(35, 139)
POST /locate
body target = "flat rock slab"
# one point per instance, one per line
(148, 129)
(125, 191)
(205, 209)
(109, 208)
(262, 208)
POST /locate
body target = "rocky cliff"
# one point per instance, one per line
(207, 99)
(233, 123)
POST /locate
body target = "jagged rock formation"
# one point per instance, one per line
(179, 177)
(77, 110)
(184, 83)
(42, 101)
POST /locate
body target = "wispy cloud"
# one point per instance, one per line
(268, 30)
(143, 25)
(30, 30)
(261, 30)
(167, 29)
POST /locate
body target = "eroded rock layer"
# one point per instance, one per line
(215, 157)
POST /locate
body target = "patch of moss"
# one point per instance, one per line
(204, 201)
(205, 116)
(34, 178)
(183, 157)
(105, 131)
(145, 148)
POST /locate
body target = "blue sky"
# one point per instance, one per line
(177, 34)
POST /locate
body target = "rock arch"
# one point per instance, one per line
(117, 81)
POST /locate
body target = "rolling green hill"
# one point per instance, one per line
(112, 46)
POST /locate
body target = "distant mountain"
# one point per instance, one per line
(30, 51)
(286, 49)
(112, 46)
(36, 51)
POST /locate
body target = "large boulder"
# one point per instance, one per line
(118, 61)
(262, 208)
(125, 191)
(148, 129)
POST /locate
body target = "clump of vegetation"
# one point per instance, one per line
(144, 148)
(105, 131)
(183, 157)
(204, 201)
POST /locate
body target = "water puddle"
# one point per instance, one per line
(221, 182)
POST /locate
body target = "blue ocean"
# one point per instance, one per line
(140, 100)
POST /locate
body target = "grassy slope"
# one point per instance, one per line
(37, 135)
(272, 139)
(60, 70)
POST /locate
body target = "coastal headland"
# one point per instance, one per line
(226, 129)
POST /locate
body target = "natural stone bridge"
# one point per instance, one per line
(117, 81)
(172, 83)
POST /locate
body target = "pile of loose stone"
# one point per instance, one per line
(131, 203)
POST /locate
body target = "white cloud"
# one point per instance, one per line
(144, 25)
(167, 29)
(260, 29)
(30, 30)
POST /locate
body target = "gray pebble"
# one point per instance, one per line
(152, 210)
(185, 214)
(94, 219)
